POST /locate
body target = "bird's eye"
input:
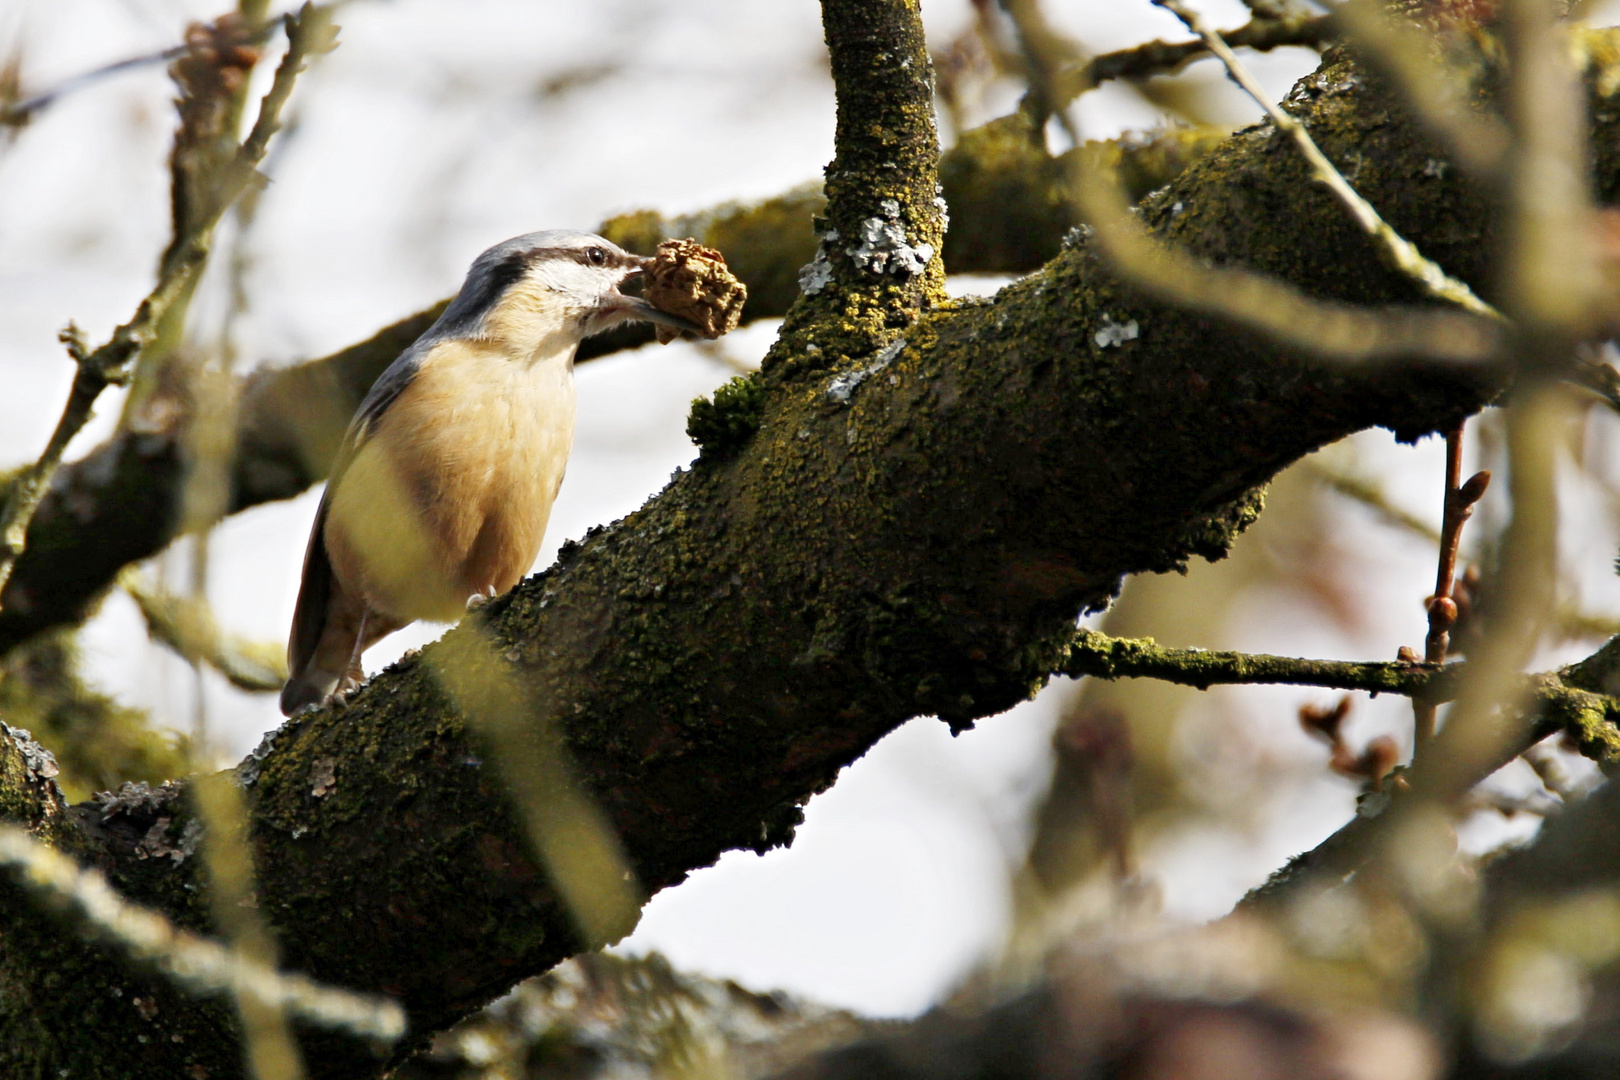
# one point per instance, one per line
(597, 256)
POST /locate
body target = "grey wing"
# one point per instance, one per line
(315, 587)
(314, 593)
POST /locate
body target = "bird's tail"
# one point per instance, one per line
(310, 688)
(333, 665)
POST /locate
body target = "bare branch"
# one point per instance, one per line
(1328, 330)
(1262, 34)
(22, 111)
(112, 363)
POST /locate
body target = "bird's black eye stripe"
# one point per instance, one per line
(484, 288)
(594, 255)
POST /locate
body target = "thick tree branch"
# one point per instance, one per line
(928, 499)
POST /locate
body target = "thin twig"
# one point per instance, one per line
(1324, 329)
(1169, 57)
(1458, 507)
(1401, 253)
(207, 182)
(189, 628)
(1589, 717)
(111, 364)
(195, 963)
(1434, 89)
(1549, 277)
(1275, 308)
(1327, 330)
(1043, 51)
(1102, 656)
(19, 113)
(1500, 713)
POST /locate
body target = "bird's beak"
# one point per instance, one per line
(634, 307)
(637, 308)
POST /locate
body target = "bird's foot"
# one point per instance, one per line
(346, 688)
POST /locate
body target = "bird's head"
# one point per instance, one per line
(545, 291)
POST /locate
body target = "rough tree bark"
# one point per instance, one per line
(930, 494)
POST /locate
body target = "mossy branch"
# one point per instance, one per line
(1401, 253)
(1100, 656)
(1556, 700)
(119, 504)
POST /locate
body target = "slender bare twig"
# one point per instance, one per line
(1550, 292)
(19, 113)
(1550, 284)
(1399, 252)
(308, 33)
(1043, 51)
(1458, 504)
(209, 178)
(195, 963)
(1262, 34)
(1284, 314)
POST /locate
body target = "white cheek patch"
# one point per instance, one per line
(579, 286)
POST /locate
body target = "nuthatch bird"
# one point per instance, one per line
(441, 490)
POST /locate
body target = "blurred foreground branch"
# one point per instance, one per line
(1262, 34)
(113, 363)
(189, 628)
(201, 966)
